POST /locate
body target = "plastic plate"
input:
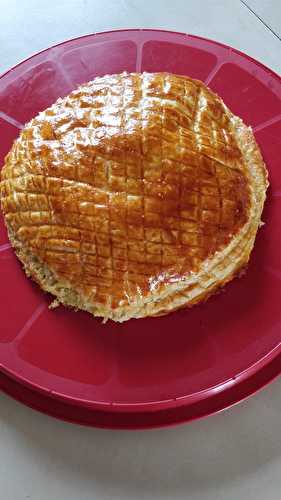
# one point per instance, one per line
(157, 371)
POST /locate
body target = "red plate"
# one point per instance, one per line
(148, 372)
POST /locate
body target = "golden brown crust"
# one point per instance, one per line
(134, 196)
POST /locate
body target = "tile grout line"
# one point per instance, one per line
(261, 20)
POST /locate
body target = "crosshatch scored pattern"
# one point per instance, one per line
(112, 152)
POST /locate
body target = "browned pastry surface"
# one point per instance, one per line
(121, 198)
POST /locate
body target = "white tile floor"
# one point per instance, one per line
(269, 11)
(233, 455)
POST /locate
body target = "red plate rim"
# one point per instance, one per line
(142, 420)
(191, 399)
(159, 30)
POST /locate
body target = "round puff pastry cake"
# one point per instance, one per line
(135, 195)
